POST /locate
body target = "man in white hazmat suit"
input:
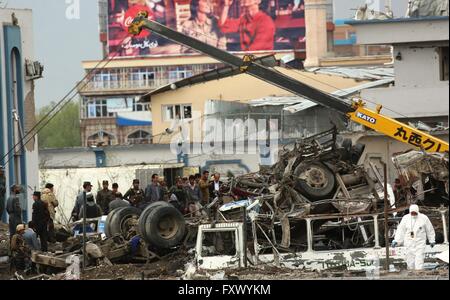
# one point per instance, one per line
(413, 231)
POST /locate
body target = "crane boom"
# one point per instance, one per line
(355, 111)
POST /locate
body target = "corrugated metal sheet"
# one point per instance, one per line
(297, 103)
(359, 73)
(287, 100)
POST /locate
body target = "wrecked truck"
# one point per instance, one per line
(316, 209)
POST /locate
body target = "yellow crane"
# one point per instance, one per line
(356, 111)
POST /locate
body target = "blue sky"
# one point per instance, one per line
(61, 44)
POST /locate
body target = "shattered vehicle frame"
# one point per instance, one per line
(357, 259)
(291, 224)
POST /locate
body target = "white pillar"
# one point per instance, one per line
(316, 31)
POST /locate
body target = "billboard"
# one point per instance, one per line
(232, 25)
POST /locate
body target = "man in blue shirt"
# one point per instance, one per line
(30, 237)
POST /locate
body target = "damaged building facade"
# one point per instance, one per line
(18, 72)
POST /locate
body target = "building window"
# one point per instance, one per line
(443, 60)
(139, 137)
(180, 72)
(106, 79)
(177, 112)
(98, 109)
(140, 106)
(107, 108)
(100, 138)
(142, 77)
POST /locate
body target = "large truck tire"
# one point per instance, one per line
(146, 212)
(314, 180)
(108, 221)
(165, 227)
(118, 221)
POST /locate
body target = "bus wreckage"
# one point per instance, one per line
(316, 209)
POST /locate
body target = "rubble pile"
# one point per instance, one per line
(316, 184)
(4, 251)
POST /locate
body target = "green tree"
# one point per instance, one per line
(63, 130)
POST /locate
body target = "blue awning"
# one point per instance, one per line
(121, 121)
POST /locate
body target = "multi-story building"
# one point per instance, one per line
(110, 112)
(18, 148)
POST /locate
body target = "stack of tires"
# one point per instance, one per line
(161, 225)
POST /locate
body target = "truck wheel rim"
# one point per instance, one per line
(315, 177)
(167, 227)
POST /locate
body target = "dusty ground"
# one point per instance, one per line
(161, 271)
(172, 267)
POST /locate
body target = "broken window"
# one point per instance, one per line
(443, 60)
(177, 112)
(219, 243)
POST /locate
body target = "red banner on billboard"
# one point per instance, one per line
(232, 25)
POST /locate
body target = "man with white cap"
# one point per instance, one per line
(413, 231)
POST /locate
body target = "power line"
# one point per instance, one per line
(55, 110)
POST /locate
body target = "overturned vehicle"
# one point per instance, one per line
(316, 209)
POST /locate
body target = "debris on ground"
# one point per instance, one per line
(316, 197)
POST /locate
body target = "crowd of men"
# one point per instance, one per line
(188, 194)
(38, 232)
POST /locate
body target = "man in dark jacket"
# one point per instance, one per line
(14, 210)
(215, 185)
(87, 187)
(194, 195)
(179, 196)
(104, 197)
(40, 219)
(135, 195)
(153, 191)
(92, 209)
(115, 191)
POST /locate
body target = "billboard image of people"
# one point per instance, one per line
(232, 25)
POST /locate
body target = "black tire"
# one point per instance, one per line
(146, 212)
(117, 223)
(314, 180)
(165, 227)
(108, 220)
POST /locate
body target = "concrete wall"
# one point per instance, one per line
(419, 90)
(403, 30)
(142, 155)
(68, 183)
(416, 102)
(419, 65)
(382, 148)
(25, 21)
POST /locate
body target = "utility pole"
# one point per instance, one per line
(84, 230)
(386, 229)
